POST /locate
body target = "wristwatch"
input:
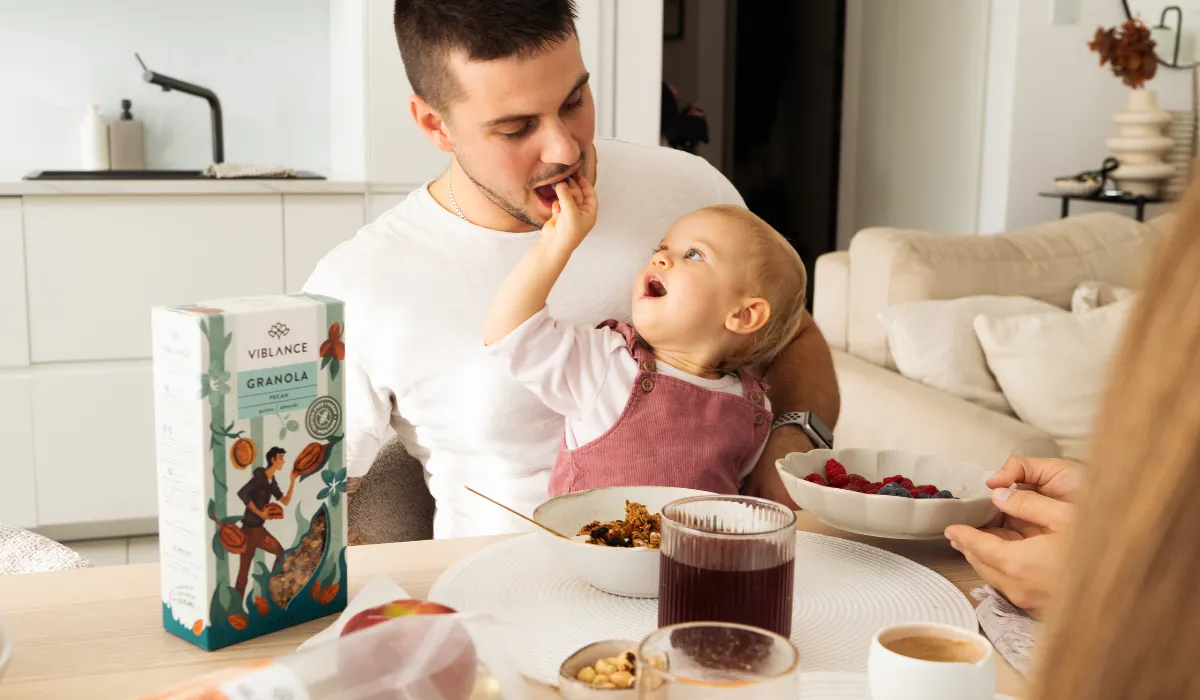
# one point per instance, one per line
(821, 436)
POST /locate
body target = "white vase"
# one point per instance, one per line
(1140, 145)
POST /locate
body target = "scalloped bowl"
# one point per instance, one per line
(890, 516)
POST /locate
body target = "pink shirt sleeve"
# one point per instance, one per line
(564, 365)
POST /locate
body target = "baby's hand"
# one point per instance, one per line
(574, 214)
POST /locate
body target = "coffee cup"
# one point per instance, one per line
(930, 662)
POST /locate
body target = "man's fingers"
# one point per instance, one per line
(1033, 507)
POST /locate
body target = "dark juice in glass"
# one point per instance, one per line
(728, 567)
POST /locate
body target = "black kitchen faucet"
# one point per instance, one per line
(168, 83)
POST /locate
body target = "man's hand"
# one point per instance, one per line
(294, 475)
(1020, 553)
(764, 481)
(573, 215)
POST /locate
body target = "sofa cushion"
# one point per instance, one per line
(1093, 294)
(934, 343)
(1053, 368)
(1046, 262)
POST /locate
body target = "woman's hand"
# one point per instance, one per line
(1020, 552)
(573, 215)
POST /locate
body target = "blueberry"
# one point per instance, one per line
(902, 492)
(944, 494)
(922, 494)
(886, 490)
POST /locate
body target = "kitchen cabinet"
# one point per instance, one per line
(93, 441)
(378, 203)
(96, 265)
(313, 225)
(14, 351)
(17, 504)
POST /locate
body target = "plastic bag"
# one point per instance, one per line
(420, 657)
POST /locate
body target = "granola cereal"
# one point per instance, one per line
(638, 529)
(300, 563)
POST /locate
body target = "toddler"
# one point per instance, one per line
(669, 400)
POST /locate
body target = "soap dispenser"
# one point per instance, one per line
(93, 140)
(125, 141)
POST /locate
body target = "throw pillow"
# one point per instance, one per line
(1091, 295)
(1053, 368)
(934, 343)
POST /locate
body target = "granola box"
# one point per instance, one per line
(251, 480)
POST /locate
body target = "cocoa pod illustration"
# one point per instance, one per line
(274, 510)
(311, 458)
(262, 605)
(198, 627)
(232, 538)
(243, 452)
(328, 594)
(238, 622)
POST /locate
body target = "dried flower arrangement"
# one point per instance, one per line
(1129, 49)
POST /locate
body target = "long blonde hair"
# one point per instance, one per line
(1127, 623)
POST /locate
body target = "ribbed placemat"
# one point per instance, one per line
(845, 592)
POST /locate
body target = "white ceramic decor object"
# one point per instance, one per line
(623, 571)
(890, 516)
(1140, 145)
(845, 592)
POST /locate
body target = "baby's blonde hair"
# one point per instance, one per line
(776, 273)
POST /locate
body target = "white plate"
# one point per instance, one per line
(842, 686)
(890, 516)
(845, 592)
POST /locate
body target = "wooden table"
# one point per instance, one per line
(97, 633)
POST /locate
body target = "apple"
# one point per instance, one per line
(376, 651)
(390, 611)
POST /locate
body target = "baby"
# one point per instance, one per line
(670, 400)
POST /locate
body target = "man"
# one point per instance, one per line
(257, 494)
(501, 85)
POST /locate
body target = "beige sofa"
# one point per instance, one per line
(882, 409)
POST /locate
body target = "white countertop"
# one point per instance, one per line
(39, 188)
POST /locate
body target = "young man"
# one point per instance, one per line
(257, 494)
(501, 85)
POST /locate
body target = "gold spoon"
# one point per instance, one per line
(519, 515)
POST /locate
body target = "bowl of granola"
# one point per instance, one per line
(616, 533)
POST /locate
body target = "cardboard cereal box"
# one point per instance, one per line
(251, 480)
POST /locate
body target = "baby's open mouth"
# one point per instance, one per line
(655, 288)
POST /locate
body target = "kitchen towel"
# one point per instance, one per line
(234, 170)
(1010, 628)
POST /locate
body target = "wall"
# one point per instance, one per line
(267, 60)
(700, 75)
(913, 114)
(1049, 107)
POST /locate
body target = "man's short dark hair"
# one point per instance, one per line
(271, 454)
(429, 30)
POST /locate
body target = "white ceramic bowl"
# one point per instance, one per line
(631, 572)
(890, 516)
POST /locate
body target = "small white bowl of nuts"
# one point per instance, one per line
(605, 669)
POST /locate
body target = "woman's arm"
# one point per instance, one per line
(526, 288)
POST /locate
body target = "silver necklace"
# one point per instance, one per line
(450, 189)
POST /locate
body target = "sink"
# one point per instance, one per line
(147, 175)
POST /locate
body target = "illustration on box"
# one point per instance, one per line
(276, 489)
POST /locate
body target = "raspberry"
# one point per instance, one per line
(888, 480)
(834, 469)
(927, 488)
(816, 479)
(906, 483)
(839, 482)
(857, 488)
(858, 479)
(872, 487)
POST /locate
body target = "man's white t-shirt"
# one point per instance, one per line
(417, 283)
